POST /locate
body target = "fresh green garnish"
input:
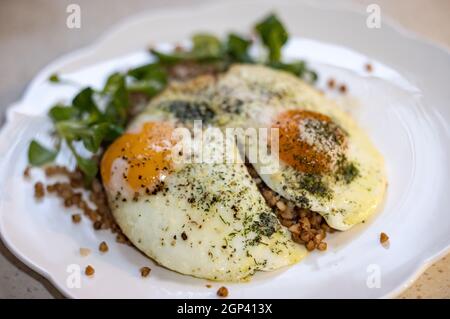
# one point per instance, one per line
(115, 90)
(84, 103)
(61, 113)
(39, 155)
(149, 79)
(273, 36)
(205, 48)
(84, 121)
(298, 68)
(151, 71)
(237, 48)
(88, 166)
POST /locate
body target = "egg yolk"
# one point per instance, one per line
(297, 150)
(147, 154)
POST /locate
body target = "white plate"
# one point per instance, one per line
(403, 105)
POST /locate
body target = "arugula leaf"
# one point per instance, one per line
(84, 102)
(148, 87)
(150, 79)
(94, 138)
(72, 130)
(169, 58)
(113, 132)
(60, 112)
(114, 82)
(39, 155)
(273, 35)
(151, 71)
(115, 88)
(298, 68)
(84, 121)
(206, 47)
(237, 48)
(88, 166)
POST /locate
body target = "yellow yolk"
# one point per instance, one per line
(296, 151)
(147, 154)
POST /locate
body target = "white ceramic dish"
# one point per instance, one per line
(403, 105)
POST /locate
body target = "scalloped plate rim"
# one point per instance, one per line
(122, 25)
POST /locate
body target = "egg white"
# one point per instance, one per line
(266, 93)
(203, 224)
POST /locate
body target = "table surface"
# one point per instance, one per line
(40, 25)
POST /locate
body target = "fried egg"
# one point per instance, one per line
(199, 219)
(325, 162)
(209, 220)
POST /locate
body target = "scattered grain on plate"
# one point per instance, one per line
(208, 286)
(145, 271)
(76, 218)
(368, 67)
(343, 88)
(26, 172)
(310, 245)
(100, 216)
(383, 238)
(103, 247)
(85, 252)
(89, 271)
(322, 246)
(39, 190)
(97, 225)
(331, 83)
(222, 292)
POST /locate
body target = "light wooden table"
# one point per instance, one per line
(33, 33)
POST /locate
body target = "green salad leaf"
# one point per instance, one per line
(39, 155)
(61, 112)
(151, 71)
(298, 68)
(237, 47)
(206, 47)
(273, 35)
(96, 118)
